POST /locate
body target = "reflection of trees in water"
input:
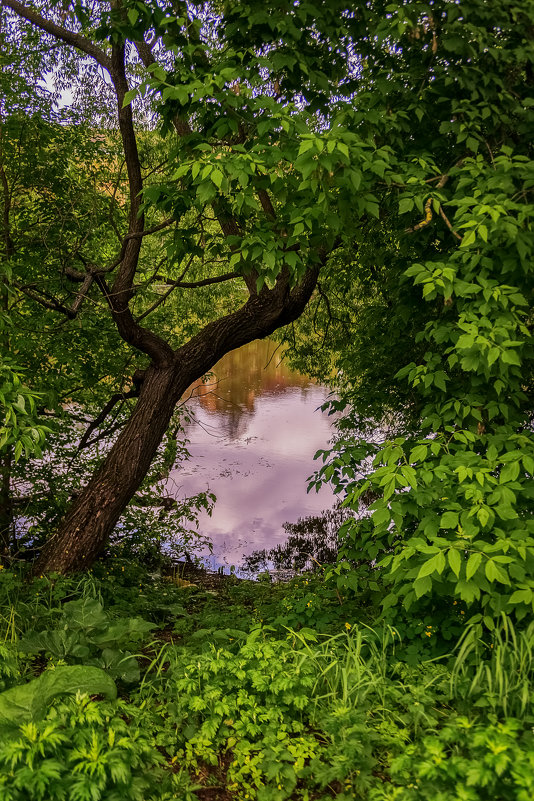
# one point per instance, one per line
(242, 376)
(312, 541)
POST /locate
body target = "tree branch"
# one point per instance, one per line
(216, 279)
(153, 230)
(141, 338)
(84, 289)
(119, 396)
(186, 285)
(48, 301)
(122, 289)
(449, 224)
(57, 31)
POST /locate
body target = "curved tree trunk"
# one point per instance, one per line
(6, 504)
(92, 517)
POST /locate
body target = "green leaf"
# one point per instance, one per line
(483, 516)
(431, 566)
(449, 520)
(455, 561)
(521, 597)
(85, 613)
(381, 516)
(122, 631)
(217, 177)
(494, 572)
(405, 205)
(30, 701)
(419, 453)
(128, 97)
(422, 586)
(305, 145)
(473, 564)
(491, 570)
(509, 472)
(468, 239)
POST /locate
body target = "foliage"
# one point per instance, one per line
(445, 510)
(465, 762)
(263, 698)
(84, 750)
(86, 634)
(259, 710)
(21, 430)
(387, 146)
(28, 702)
(231, 161)
(499, 667)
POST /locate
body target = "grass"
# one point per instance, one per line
(497, 670)
(260, 692)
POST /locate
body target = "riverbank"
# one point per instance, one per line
(124, 686)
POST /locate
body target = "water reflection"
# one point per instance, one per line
(311, 542)
(230, 393)
(256, 429)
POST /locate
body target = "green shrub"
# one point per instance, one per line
(82, 750)
(465, 761)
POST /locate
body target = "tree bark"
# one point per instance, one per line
(94, 513)
(92, 517)
(6, 458)
(6, 504)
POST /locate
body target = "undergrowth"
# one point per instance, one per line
(125, 686)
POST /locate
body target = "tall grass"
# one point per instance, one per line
(358, 671)
(350, 666)
(497, 671)
(23, 603)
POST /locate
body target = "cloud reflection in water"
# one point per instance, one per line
(257, 427)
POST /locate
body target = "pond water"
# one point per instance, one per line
(257, 425)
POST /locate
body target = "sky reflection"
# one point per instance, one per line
(257, 427)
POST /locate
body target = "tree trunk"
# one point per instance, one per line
(89, 522)
(6, 504)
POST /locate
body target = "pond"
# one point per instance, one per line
(257, 425)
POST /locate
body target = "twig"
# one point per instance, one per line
(119, 396)
(449, 224)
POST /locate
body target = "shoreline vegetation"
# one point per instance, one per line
(121, 684)
(177, 180)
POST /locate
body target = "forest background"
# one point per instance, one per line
(357, 177)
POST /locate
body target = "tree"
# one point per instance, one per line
(445, 503)
(245, 104)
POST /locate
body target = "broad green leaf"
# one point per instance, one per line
(468, 239)
(217, 177)
(430, 566)
(418, 454)
(405, 205)
(30, 701)
(449, 520)
(521, 597)
(129, 96)
(422, 586)
(455, 560)
(473, 563)
(509, 472)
